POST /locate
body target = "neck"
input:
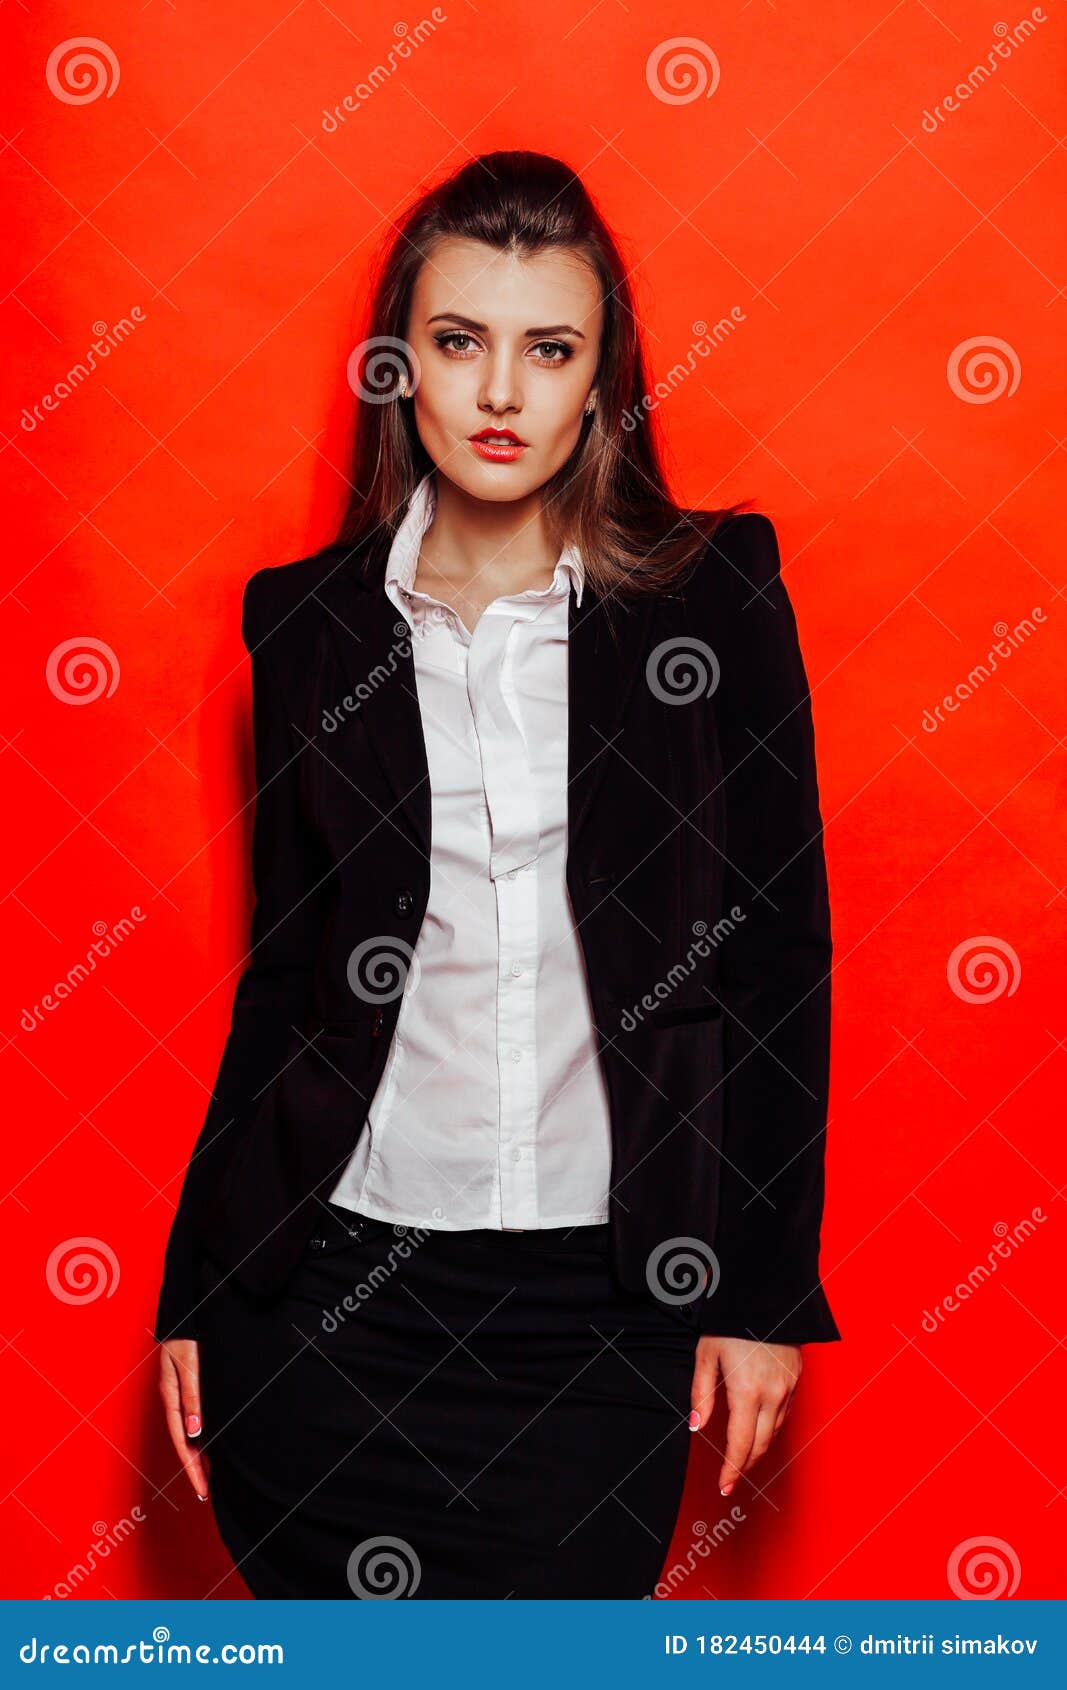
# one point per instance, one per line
(504, 543)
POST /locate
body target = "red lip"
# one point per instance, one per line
(499, 434)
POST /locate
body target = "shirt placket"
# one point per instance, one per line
(515, 844)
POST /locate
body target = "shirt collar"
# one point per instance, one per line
(404, 551)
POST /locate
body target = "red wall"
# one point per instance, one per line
(862, 247)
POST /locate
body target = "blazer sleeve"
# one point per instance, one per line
(775, 965)
(274, 987)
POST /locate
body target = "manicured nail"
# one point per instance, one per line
(725, 1489)
(192, 1424)
(694, 1421)
(201, 1496)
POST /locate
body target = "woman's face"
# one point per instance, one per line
(502, 343)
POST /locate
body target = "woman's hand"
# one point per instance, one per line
(179, 1386)
(760, 1380)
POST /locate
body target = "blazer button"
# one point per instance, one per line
(317, 1243)
(403, 903)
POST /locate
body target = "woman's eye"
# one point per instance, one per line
(458, 343)
(447, 342)
(556, 346)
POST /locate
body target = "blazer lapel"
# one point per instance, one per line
(374, 650)
(373, 645)
(603, 667)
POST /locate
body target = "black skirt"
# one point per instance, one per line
(446, 1414)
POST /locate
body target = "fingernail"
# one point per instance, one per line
(192, 1424)
(201, 1496)
(694, 1421)
(725, 1489)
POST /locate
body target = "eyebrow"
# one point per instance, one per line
(483, 328)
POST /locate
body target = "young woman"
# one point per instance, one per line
(515, 1156)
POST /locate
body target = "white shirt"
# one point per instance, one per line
(492, 1109)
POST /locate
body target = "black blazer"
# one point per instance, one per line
(697, 880)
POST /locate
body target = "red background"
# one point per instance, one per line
(862, 251)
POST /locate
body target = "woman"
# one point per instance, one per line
(515, 1156)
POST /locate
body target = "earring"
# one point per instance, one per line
(402, 387)
(590, 406)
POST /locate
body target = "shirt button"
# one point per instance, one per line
(512, 872)
(515, 970)
(516, 1056)
(516, 1155)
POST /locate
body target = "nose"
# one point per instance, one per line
(501, 388)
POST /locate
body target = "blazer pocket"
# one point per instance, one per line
(366, 1019)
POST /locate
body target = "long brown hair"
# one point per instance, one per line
(610, 498)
